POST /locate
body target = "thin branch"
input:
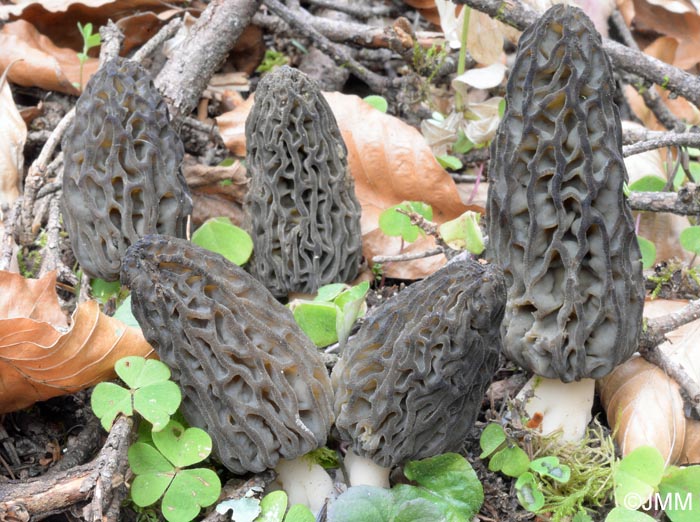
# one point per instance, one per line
(339, 54)
(358, 11)
(152, 45)
(663, 139)
(409, 256)
(520, 16)
(685, 202)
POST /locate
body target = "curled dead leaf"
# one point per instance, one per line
(391, 163)
(39, 360)
(644, 406)
(31, 298)
(13, 134)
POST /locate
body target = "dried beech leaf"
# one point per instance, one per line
(44, 64)
(57, 19)
(31, 298)
(13, 134)
(390, 162)
(644, 405)
(38, 362)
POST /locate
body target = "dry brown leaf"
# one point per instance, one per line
(40, 358)
(31, 299)
(44, 64)
(216, 191)
(13, 134)
(643, 404)
(58, 19)
(390, 162)
(426, 8)
(663, 17)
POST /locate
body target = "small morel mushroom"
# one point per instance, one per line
(248, 375)
(304, 216)
(559, 223)
(121, 177)
(410, 383)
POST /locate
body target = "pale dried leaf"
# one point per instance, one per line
(13, 134)
(38, 362)
(482, 77)
(482, 128)
(674, 6)
(484, 39)
(31, 298)
(642, 403)
(390, 162)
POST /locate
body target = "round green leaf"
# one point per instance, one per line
(648, 250)
(299, 513)
(272, 507)
(190, 490)
(491, 439)
(145, 459)
(327, 293)
(529, 495)
(157, 402)
(378, 102)
(318, 320)
(362, 504)
(451, 477)
(419, 510)
(125, 315)
(550, 467)
(649, 183)
(147, 489)
(137, 371)
(637, 475)
(690, 239)
(511, 461)
(223, 237)
(103, 290)
(680, 490)
(393, 223)
(109, 400)
(182, 447)
(449, 162)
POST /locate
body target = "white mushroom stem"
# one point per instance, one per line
(305, 482)
(564, 406)
(362, 471)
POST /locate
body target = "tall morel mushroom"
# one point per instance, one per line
(559, 223)
(121, 177)
(410, 383)
(248, 374)
(304, 216)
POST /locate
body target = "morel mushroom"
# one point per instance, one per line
(121, 177)
(248, 375)
(304, 216)
(559, 223)
(410, 383)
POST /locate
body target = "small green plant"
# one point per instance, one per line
(272, 508)
(464, 232)
(642, 480)
(158, 460)
(378, 102)
(427, 62)
(272, 60)
(446, 488)
(329, 317)
(151, 393)
(449, 162)
(563, 480)
(223, 237)
(648, 250)
(394, 223)
(161, 471)
(90, 40)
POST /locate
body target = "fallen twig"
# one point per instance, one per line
(685, 202)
